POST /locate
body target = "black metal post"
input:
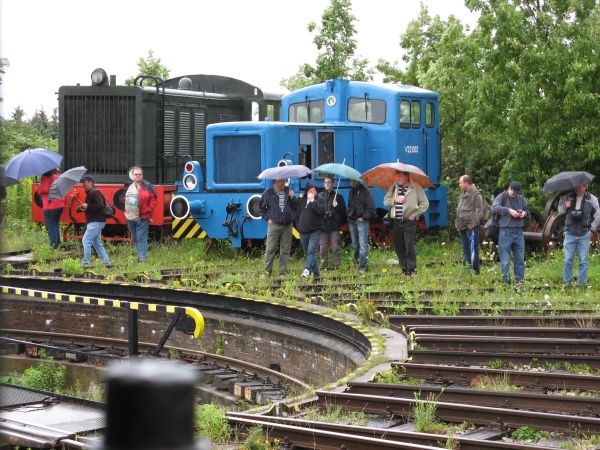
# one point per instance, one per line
(132, 326)
(166, 334)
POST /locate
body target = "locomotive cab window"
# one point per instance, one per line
(366, 110)
(416, 114)
(307, 112)
(429, 115)
(326, 148)
(237, 159)
(405, 114)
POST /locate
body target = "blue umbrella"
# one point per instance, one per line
(31, 163)
(341, 170)
(284, 172)
(4, 180)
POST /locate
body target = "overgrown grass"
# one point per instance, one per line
(211, 422)
(336, 414)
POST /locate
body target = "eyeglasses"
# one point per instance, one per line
(329, 182)
(137, 174)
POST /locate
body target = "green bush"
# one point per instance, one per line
(211, 422)
(48, 376)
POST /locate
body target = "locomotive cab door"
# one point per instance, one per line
(412, 147)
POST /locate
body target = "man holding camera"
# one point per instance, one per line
(582, 217)
(96, 220)
(335, 215)
(512, 210)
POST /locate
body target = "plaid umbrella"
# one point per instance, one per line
(384, 175)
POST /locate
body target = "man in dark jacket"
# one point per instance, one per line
(582, 217)
(361, 209)
(468, 217)
(311, 209)
(140, 200)
(335, 215)
(278, 208)
(512, 209)
(95, 218)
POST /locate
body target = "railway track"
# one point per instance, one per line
(253, 383)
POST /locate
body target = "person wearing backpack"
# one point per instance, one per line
(93, 207)
(468, 217)
(140, 200)
(582, 217)
(512, 209)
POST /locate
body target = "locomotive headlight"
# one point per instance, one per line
(252, 206)
(99, 77)
(190, 182)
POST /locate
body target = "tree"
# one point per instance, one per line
(18, 115)
(336, 44)
(150, 66)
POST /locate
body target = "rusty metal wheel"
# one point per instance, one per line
(553, 231)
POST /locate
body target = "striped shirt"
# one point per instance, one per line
(281, 195)
(401, 190)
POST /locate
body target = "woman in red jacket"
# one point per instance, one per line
(52, 208)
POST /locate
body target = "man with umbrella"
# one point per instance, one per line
(582, 217)
(335, 216)
(278, 207)
(408, 202)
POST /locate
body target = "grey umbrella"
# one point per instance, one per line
(283, 172)
(567, 181)
(65, 182)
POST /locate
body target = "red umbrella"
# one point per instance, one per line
(384, 175)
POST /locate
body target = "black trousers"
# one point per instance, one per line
(405, 232)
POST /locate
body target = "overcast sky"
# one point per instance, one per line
(52, 43)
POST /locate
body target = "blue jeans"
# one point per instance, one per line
(93, 238)
(470, 247)
(51, 221)
(512, 240)
(581, 244)
(310, 244)
(359, 233)
(139, 235)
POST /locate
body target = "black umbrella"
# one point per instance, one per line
(5, 180)
(567, 181)
(65, 182)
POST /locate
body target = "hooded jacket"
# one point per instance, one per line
(502, 203)
(44, 190)
(334, 216)
(361, 204)
(269, 207)
(310, 212)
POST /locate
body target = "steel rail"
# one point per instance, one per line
(469, 358)
(574, 405)
(465, 375)
(507, 331)
(484, 312)
(458, 413)
(234, 364)
(509, 344)
(515, 321)
(298, 437)
(436, 440)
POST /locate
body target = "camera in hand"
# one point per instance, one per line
(79, 208)
(577, 215)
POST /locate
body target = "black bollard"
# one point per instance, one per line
(150, 406)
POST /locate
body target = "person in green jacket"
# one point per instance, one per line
(408, 202)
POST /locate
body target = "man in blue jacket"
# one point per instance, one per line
(512, 210)
(278, 207)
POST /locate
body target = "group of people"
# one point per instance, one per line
(140, 200)
(320, 216)
(510, 210)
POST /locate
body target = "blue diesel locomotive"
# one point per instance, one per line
(359, 123)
